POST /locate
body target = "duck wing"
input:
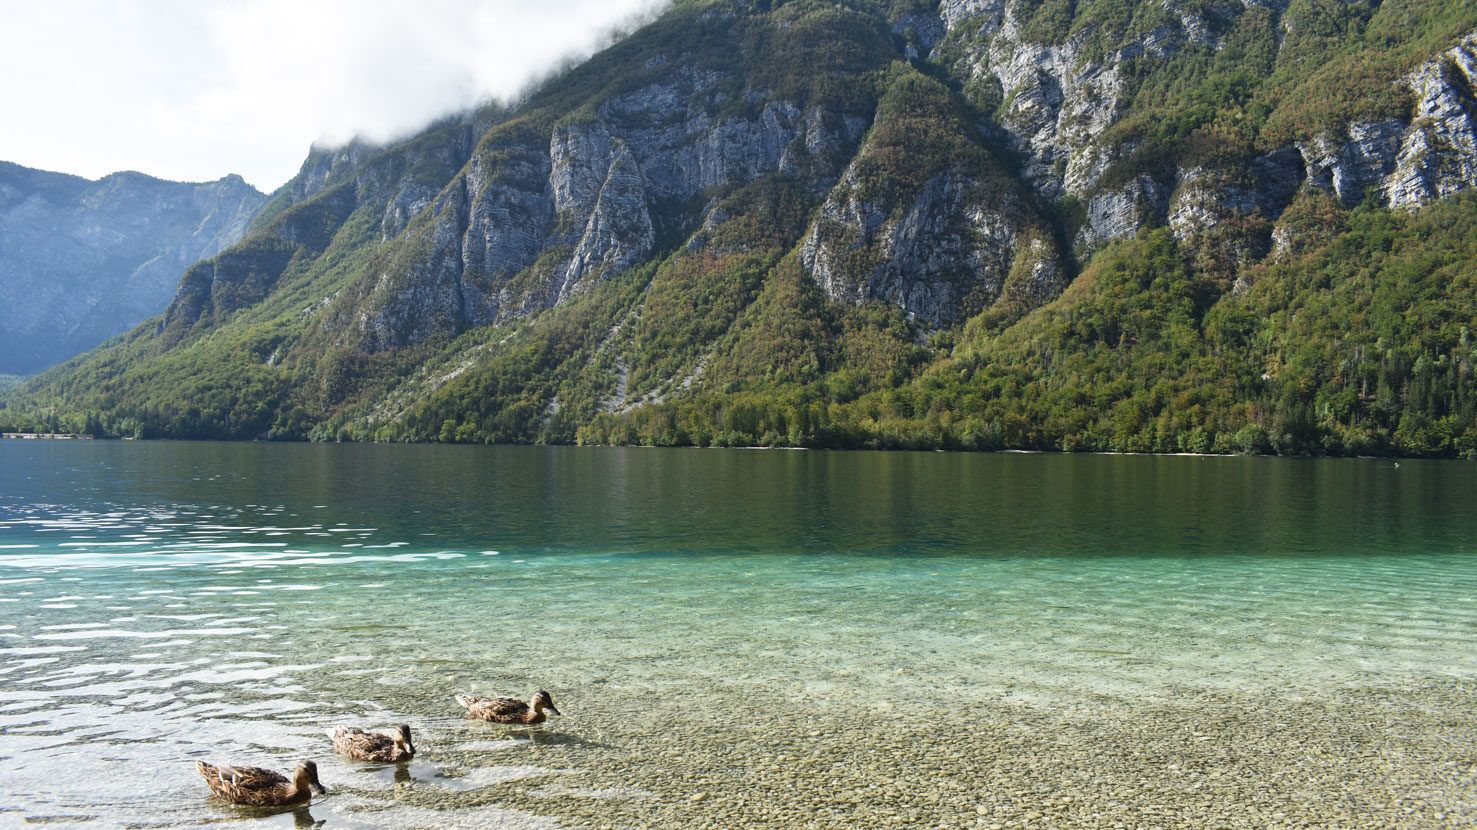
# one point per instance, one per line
(242, 784)
(493, 708)
(364, 746)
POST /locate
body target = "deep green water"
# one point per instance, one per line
(161, 602)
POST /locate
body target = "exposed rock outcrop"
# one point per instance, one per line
(1058, 97)
(544, 208)
(1405, 164)
(81, 261)
(587, 192)
(508, 223)
(619, 231)
(1058, 100)
(1438, 155)
(941, 249)
(1118, 213)
(411, 302)
(744, 200)
(1350, 166)
(214, 288)
(943, 258)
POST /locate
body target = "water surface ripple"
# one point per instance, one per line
(719, 625)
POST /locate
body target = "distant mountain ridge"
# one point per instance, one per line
(81, 261)
(1138, 225)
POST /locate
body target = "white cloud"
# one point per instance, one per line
(195, 90)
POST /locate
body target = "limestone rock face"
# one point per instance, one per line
(328, 166)
(942, 254)
(1438, 156)
(486, 221)
(1059, 98)
(987, 15)
(1118, 213)
(535, 218)
(81, 261)
(923, 31)
(684, 150)
(300, 220)
(1206, 199)
(508, 221)
(422, 296)
(1407, 163)
(927, 219)
(535, 215)
(579, 157)
(1223, 214)
(1058, 101)
(405, 204)
(1349, 166)
(618, 232)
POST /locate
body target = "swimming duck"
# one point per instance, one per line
(510, 709)
(257, 787)
(373, 746)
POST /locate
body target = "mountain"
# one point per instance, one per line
(81, 261)
(1145, 225)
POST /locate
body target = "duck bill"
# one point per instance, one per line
(555, 710)
(319, 788)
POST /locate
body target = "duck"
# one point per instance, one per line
(510, 709)
(257, 787)
(360, 745)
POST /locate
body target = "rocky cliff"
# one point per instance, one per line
(563, 197)
(834, 199)
(81, 261)
(1065, 105)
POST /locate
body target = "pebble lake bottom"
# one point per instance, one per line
(739, 638)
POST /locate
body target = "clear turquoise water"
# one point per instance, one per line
(161, 602)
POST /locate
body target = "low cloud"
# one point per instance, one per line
(195, 90)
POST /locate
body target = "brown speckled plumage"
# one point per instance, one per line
(360, 745)
(257, 787)
(510, 709)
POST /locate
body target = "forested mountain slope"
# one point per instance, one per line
(81, 261)
(1155, 225)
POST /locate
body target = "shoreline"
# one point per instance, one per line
(1395, 458)
(1390, 755)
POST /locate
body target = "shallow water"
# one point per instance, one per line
(699, 616)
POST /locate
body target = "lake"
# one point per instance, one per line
(739, 638)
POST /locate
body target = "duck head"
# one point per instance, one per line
(307, 776)
(543, 700)
(402, 737)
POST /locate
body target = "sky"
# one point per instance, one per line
(195, 89)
